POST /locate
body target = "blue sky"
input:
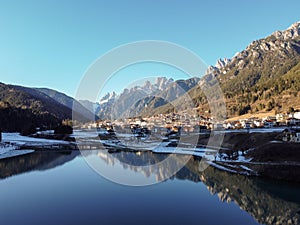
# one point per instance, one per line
(52, 43)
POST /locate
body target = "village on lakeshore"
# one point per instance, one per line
(183, 123)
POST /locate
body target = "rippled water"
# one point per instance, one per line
(56, 188)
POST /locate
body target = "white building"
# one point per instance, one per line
(297, 115)
(258, 123)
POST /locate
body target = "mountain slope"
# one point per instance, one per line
(83, 112)
(57, 96)
(28, 98)
(21, 108)
(91, 106)
(263, 77)
(254, 77)
(263, 59)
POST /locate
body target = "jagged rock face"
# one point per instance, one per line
(134, 100)
(258, 76)
(114, 106)
(265, 54)
(218, 68)
(291, 33)
(262, 59)
(221, 63)
(162, 83)
(108, 97)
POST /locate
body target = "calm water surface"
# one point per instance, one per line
(55, 188)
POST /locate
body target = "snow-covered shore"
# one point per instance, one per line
(11, 142)
(16, 138)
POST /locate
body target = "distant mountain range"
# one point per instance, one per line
(263, 77)
(113, 106)
(132, 102)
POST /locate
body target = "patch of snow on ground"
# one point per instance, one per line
(13, 153)
(18, 139)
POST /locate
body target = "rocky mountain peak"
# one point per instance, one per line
(261, 59)
(147, 84)
(162, 82)
(108, 97)
(220, 64)
(280, 45)
(292, 32)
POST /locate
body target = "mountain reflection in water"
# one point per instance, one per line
(269, 202)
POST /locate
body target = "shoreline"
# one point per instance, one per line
(252, 154)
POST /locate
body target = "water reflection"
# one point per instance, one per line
(34, 161)
(269, 202)
(145, 162)
(251, 194)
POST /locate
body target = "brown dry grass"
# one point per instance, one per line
(259, 115)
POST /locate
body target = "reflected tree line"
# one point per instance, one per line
(34, 161)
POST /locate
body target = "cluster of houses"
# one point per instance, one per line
(279, 120)
(185, 123)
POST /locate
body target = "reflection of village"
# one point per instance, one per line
(176, 124)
